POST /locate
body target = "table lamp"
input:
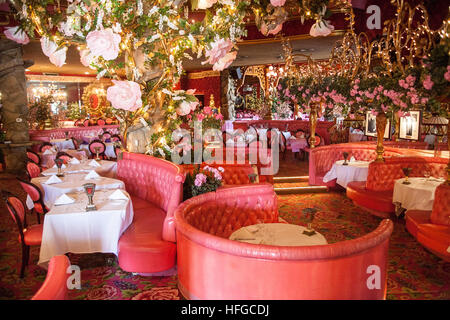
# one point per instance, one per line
(89, 188)
(59, 162)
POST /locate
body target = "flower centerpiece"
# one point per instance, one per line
(202, 181)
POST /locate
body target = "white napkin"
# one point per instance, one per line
(48, 151)
(53, 179)
(94, 163)
(64, 199)
(118, 195)
(91, 175)
(352, 159)
(62, 167)
(74, 161)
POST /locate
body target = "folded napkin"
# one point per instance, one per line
(94, 163)
(64, 199)
(91, 175)
(352, 159)
(118, 195)
(62, 167)
(74, 161)
(252, 228)
(48, 151)
(53, 179)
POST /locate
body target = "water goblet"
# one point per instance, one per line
(345, 154)
(89, 189)
(407, 172)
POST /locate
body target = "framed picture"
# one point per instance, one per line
(201, 99)
(410, 126)
(370, 126)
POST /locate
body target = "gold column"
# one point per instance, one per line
(381, 127)
(313, 123)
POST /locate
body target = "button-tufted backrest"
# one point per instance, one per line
(234, 174)
(382, 175)
(222, 212)
(155, 180)
(441, 205)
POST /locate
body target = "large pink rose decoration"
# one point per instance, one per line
(225, 62)
(277, 3)
(86, 58)
(104, 43)
(17, 35)
(321, 28)
(205, 4)
(264, 30)
(186, 107)
(219, 49)
(50, 49)
(125, 95)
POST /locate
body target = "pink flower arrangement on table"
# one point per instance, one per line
(125, 95)
(203, 180)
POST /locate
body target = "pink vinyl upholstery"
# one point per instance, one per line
(376, 193)
(212, 267)
(33, 170)
(156, 187)
(55, 283)
(34, 157)
(432, 229)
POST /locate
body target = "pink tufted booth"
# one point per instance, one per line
(321, 159)
(432, 228)
(156, 189)
(55, 284)
(212, 267)
(375, 194)
(234, 174)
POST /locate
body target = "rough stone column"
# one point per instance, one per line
(14, 100)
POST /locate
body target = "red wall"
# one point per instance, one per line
(205, 86)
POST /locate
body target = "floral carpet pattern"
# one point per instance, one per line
(414, 273)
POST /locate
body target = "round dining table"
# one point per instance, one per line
(72, 183)
(104, 168)
(418, 195)
(277, 234)
(63, 143)
(356, 170)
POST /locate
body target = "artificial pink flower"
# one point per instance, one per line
(125, 95)
(447, 74)
(219, 49)
(219, 116)
(17, 35)
(352, 116)
(191, 92)
(86, 58)
(205, 4)
(225, 62)
(277, 3)
(200, 179)
(264, 30)
(50, 49)
(321, 28)
(207, 110)
(104, 43)
(186, 107)
(427, 83)
(200, 117)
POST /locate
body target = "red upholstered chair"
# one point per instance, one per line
(432, 229)
(64, 156)
(101, 122)
(36, 195)
(33, 156)
(45, 146)
(33, 170)
(233, 270)
(75, 142)
(55, 284)
(116, 138)
(28, 235)
(156, 189)
(106, 136)
(86, 122)
(109, 121)
(300, 134)
(97, 144)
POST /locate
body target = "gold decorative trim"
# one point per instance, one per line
(291, 38)
(46, 78)
(203, 74)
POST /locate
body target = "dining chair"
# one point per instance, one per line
(45, 146)
(86, 123)
(64, 156)
(97, 144)
(33, 156)
(106, 136)
(75, 142)
(55, 283)
(101, 122)
(28, 235)
(36, 196)
(33, 170)
(116, 138)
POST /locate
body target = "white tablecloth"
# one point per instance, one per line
(69, 228)
(355, 136)
(72, 183)
(63, 143)
(354, 171)
(297, 144)
(109, 152)
(107, 169)
(48, 160)
(277, 234)
(419, 195)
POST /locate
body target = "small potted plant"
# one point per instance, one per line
(202, 181)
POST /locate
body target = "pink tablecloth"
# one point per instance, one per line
(297, 144)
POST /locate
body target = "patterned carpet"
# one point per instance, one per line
(414, 273)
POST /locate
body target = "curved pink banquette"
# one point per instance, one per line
(212, 267)
(156, 189)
